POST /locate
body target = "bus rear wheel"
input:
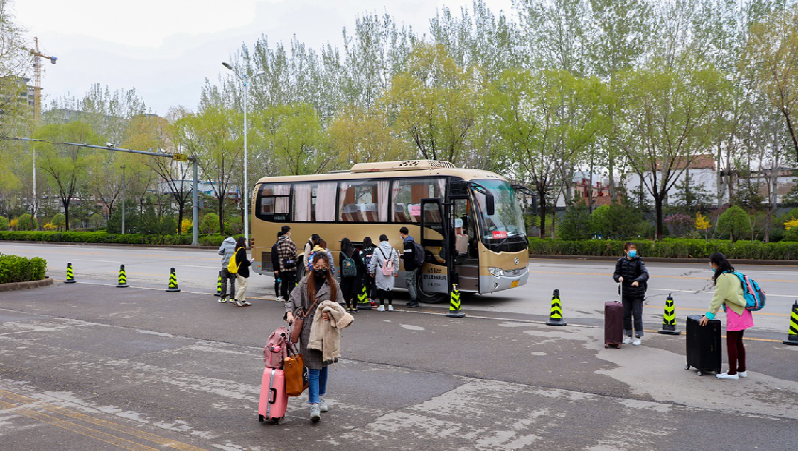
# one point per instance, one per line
(429, 298)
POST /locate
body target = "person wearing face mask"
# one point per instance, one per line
(729, 294)
(631, 273)
(316, 287)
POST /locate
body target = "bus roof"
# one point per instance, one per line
(387, 169)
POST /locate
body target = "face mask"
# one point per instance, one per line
(632, 254)
(321, 273)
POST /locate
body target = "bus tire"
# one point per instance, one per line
(428, 298)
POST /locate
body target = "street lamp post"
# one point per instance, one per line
(243, 79)
(123, 198)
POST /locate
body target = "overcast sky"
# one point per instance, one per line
(166, 48)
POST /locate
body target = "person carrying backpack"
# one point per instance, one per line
(384, 266)
(413, 258)
(242, 263)
(227, 250)
(351, 263)
(631, 273)
(729, 293)
(276, 268)
(368, 280)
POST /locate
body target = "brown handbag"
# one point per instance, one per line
(296, 375)
(296, 325)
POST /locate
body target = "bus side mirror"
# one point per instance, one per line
(490, 204)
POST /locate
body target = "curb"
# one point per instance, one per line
(743, 261)
(26, 285)
(81, 243)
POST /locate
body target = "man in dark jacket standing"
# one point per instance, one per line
(286, 250)
(411, 269)
(631, 273)
(276, 267)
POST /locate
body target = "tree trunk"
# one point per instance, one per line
(65, 203)
(658, 214)
(221, 214)
(542, 212)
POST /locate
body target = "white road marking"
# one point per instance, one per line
(706, 292)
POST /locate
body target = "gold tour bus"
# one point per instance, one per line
(475, 213)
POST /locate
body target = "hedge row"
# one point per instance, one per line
(21, 269)
(103, 237)
(669, 248)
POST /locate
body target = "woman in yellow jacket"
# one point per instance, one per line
(729, 292)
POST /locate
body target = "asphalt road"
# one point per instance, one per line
(90, 366)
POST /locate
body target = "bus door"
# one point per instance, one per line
(466, 260)
(434, 273)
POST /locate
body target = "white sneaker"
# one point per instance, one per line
(280, 299)
(742, 374)
(627, 340)
(727, 376)
(246, 303)
(323, 405)
(390, 308)
(380, 309)
(636, 342)
(315, 413)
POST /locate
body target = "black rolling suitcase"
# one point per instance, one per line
(703, 345)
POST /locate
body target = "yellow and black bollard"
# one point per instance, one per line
(454, 304)
(173, 288)
(218, 285)
(669, 318)
(122, 278)
(792, 335)
(555, 318)
(363, 299)
(70, 275)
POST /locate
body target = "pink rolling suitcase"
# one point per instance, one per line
(273, 398)
(613, 322)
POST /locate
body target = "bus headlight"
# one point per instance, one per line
(496, 272)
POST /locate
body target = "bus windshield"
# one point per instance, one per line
(507, 219)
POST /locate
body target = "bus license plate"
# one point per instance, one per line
(514, 284)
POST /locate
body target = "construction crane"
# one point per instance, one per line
(37, 105)
(37, 78)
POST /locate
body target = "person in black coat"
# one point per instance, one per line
(243, 271)
(350, 284)
(631, 273)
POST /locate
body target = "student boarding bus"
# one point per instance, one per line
(469, 221)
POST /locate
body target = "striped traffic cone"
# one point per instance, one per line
(173, 288)
(219, 285)
(792, 334)
(555, 317)
(70, 275)
(363, 299)
(122, 278)
(669, 318)
(454, 304)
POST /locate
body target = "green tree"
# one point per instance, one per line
(59, 221)
(27, 222)
(294, 136)
(545, 122)
(358, 135)
(433, 103)
(772, 51)
(209, 224)
(64, 165)
(734, 221)
(575, 224)
(666, 114)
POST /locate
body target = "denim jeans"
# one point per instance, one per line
(317, 380)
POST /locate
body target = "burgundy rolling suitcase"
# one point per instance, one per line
(613, 324)
(703, 345)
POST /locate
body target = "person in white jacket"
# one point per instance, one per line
(384, 267)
